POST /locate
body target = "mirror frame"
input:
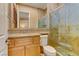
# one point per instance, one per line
(18, 20)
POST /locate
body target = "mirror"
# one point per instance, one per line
(23, 19)
(43, 22)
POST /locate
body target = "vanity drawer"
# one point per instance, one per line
(23, 41)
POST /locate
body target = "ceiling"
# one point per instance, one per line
(37, 5)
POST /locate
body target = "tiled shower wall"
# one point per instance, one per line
(64, 27)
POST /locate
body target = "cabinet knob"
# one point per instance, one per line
(7, 41)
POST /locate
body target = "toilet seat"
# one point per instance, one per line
(50, 49)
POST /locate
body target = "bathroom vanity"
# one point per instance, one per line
(24, 45)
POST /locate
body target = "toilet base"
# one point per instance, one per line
(49, 51)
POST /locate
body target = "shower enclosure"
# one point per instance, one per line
(64, 29)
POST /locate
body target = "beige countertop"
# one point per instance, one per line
(16, 35)
(22, 35)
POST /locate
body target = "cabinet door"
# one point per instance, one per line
(37, 50)
(29, 50)
(32, 50)
(17, 51)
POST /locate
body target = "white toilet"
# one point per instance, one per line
(48, 50)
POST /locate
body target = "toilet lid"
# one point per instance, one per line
(50, 49)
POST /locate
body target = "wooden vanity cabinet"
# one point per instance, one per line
(24, 46)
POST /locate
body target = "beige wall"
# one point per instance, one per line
(52, 6)
(41, 13)
(3, 18)
(35, 14)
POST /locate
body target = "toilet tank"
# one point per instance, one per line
(43, 40)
